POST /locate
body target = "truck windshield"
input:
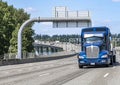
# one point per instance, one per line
(93, 39)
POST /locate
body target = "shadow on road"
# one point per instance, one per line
(117, 64)
(101, 66)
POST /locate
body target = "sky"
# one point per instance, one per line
(102, 12)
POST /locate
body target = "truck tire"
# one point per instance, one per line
(111, 60)
(114, 59)
(107, 65)
(80, 66)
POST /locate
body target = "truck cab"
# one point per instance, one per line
(95, 47)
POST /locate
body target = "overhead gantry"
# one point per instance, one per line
(77, 20)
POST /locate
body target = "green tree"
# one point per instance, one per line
(6, 25)
(10, 21)
(13, 41)
(27, 34)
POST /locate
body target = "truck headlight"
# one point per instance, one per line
(104, 56)
(81, 57)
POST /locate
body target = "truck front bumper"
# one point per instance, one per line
(94, 61)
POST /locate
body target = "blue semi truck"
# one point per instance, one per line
(96, 47)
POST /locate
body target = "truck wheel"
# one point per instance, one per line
(114, 59)
(80, 66)
(111, 60)
(107, 65)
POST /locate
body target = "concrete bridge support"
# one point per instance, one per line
(40, 50)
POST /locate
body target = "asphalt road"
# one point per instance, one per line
(59, 72)
(99, 76)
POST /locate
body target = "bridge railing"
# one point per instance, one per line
(33, 55)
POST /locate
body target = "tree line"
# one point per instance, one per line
(68, 38)
(10, 21)
(61, 38)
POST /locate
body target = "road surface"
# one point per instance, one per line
(59, 72)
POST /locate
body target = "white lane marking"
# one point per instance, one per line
(106, 75)
(20, 70)
(72, 67)
(6, 72)
(45, 74)
(29, 69)
(51, 65)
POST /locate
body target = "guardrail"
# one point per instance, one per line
(53, 56)
(33, 55)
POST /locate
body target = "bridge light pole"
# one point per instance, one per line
(19, 55)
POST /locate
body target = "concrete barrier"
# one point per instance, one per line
(31, 60)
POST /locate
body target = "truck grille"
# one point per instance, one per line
(92, 51)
